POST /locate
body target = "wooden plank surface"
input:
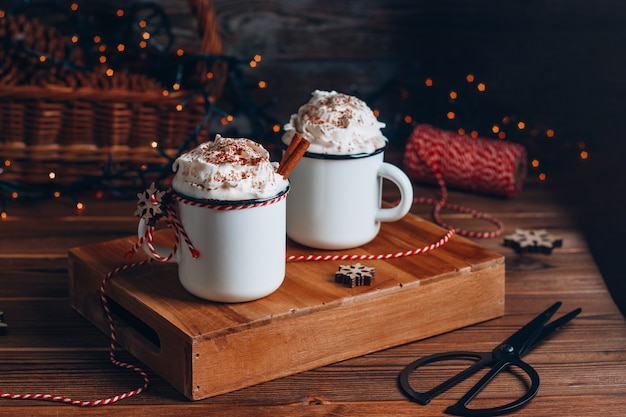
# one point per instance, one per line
(50, 348)
(308, 322)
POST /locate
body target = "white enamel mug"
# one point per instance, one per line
(241, 245)
(335, 200)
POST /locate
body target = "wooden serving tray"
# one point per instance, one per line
(205, 349)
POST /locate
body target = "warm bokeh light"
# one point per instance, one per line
(521, 125)
(474, 134)
(450, 115)
(542, 177)
(481, 87)
(495, 128)
(534, 163)
(461, 131)
(428, 82)
(453, 95)
(550, 133)
(119, 12)
(262, 84)
(584, 155)
(470, 78)
(52, 175)
(408, 119)
(276, 128)
(180, 52)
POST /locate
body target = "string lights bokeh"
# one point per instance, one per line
(461, 105)
(453, 105)
(150, 48)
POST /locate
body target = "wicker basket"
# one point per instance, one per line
(63, 134)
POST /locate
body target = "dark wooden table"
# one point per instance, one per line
(49, 348)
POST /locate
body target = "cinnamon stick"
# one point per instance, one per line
(294, 152)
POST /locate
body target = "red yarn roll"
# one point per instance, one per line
(479, 165)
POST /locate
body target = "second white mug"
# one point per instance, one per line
(335, 200)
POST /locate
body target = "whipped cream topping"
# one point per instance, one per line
(336, 123)
(227, 169)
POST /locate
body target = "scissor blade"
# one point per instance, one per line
(526, 337)
(551, 327)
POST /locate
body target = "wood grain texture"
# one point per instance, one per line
(310, 321)
(559, 60)
(51, 348)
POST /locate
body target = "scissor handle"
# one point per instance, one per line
(461, 409)
(483, 359)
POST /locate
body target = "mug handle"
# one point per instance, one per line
(402, 181)
(160, 253)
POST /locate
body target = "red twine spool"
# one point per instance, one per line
(479, 165)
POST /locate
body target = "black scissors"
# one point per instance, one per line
(504, 356)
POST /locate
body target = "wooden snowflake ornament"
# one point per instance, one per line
(532, 241)
(354, 275)
(152, 204)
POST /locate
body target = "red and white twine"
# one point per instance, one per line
(431, 155)
(435, 245)
(112, 358)
(229, 207)
(479, 165)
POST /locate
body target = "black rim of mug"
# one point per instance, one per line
(315, 155)
(232, 202)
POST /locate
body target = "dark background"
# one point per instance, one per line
(555, 64)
